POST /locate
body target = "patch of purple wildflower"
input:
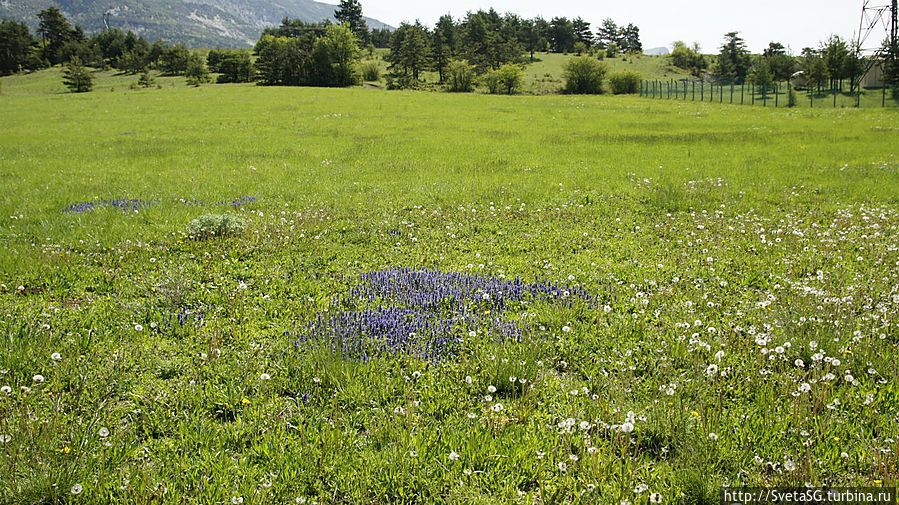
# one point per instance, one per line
(425, 312)
(127, 205)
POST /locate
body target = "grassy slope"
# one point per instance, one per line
(671, 212)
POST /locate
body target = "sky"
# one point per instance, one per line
(794, 23)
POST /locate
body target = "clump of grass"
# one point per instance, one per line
(215, 225)
(371, 71)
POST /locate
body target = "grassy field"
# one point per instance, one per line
(441, 298)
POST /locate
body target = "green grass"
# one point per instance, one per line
(696, 227)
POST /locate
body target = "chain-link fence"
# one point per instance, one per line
(773, 95)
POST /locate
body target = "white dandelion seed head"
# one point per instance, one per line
(103, 432)
(77, 489)
(38, 378)
(453, 456)
(56, 356)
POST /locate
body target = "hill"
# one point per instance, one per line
(197, 23)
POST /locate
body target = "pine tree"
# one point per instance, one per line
(350, 11)
(77, 77)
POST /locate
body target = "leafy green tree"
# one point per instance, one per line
(410, 51)
(443, 47)
(284, 61)
(607, 33)
(336, 58)
(507, 79)
(380, 37)
(583, 75)
(55, 31)
(629, 39)
(77, 77)
(733, 62)
(533, 36)
(196, 72)
(561, 35)
(781, 64)
(688, 58)
(233, 66)
(350, 11)
(174, 59)
(761, 75)
(834, 52)
(854, 67)
(16, 44)
(582, 32)
(460, 76)
(297, 28)
(132, 62)
(815, 69)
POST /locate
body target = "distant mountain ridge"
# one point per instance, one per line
(197, 23)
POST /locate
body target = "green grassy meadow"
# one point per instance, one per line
(722, 306)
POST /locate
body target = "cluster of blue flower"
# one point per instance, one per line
(135, 204)
(426, 312)
(125, 205)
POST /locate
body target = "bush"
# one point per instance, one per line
(215, 225)
(584, 75)
(77, 77)
(507, 79)
(371, 71)
(460, 76)
(626, 81)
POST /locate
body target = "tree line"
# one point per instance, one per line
(831, 65)
(58, 42)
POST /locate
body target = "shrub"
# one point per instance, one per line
(215, 225)
(460, 76)
(77, 77)
(507, 79)
(146, 80)
(626, 81)
(584, 75)
(371, 71)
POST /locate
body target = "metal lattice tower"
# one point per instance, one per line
(877, 18)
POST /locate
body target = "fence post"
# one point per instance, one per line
(752, 90)
(776, 90)
(720, 93)
(883, 98)
(834, 97)
(693, 96)
(731, 92)
(764, 95)
(742, 89)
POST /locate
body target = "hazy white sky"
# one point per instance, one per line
(795, 23)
